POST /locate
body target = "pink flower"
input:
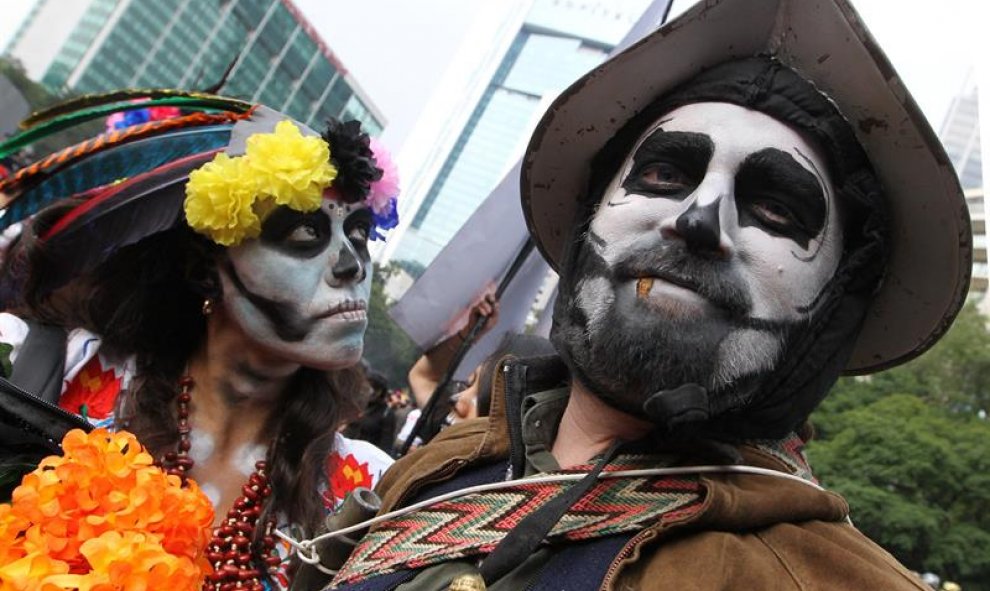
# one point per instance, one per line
(386, 188)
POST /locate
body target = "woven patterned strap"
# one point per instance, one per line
(473, 525)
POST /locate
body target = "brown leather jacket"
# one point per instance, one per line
(753, 532)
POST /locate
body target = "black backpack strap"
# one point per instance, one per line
(40, 365)
(31, 423)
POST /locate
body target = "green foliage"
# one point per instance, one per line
(387, 348)
(909, 449)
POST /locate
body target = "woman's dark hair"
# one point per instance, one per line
(169, 274)
(515, 345)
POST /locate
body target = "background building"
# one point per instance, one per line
(266, 48)
(557, 42)
(981, 271)
(960, 134)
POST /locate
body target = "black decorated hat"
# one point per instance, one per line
(930, 241)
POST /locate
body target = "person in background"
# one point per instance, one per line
(469, 398)
(382, 416)
(425, 375)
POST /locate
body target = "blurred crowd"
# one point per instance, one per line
(391, 413)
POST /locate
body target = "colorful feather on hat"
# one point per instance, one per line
(126, 96)
(113, 164)
(120, 215)
(66, 120)
(51, 163)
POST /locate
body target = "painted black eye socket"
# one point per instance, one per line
(664, 176)
(357, 228)
(660, 179)
(300, 234)
(360, 231)
(774, 192)
(304, 234)
(669, 164)
(774, 213)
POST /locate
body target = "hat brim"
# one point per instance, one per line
(930, 235)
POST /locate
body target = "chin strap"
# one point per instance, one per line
(681, 406)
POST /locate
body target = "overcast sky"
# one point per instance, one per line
(406, 53)
(932, 45)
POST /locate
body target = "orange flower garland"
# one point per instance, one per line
(103, 517)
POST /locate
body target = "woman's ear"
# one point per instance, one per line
(202, 270)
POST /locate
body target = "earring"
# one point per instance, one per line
(207, 306)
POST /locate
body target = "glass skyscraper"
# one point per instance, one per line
(556, 44)
(267, 50)
(960, 135)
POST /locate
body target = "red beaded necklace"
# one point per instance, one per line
(229, 550)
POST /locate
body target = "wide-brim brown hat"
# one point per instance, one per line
(825, 41)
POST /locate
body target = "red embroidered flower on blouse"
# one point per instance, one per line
(346, 474)
(93, 392)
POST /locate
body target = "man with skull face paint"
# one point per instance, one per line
(212, 275)
(741, 206)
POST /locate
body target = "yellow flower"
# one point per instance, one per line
(220, 198)
(227, 199)
(291, 168)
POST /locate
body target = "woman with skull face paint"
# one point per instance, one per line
(211, 273)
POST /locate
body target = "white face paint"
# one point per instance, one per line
(722, 219)
(301, 289)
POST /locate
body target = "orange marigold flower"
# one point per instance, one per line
(134, 561)
(107, 518)
(11, 528)
(30, 573)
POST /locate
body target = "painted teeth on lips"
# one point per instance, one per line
(348, 310)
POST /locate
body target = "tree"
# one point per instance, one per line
(917, 479)
(388, 349)
(909, 449)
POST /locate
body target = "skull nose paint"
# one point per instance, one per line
(348, 265)
(699, 228)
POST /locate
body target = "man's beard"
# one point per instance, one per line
(627, 350)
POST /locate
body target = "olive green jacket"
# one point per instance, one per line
(753, 531)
